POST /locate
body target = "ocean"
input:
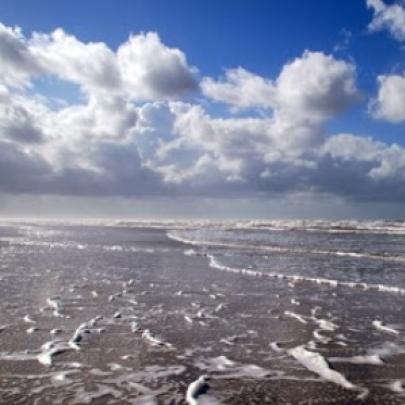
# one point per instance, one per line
(202, 312)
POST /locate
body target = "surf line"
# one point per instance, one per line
(281, 249)
(213, 262)
(296, 278)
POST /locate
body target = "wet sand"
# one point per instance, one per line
(105, 315)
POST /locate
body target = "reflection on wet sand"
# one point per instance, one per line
(116, 315)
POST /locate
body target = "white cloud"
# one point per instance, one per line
(313, 86)
(152, 71)
(17, 63)
(389, 104)
(387, 161)
(20, 118)
(316, 86)
(309, 90)
(143, 68)
(388, 17)
(241, 89)
(134, 134)
(91, 65)
(76, 135)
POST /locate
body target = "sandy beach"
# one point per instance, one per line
(138, 315)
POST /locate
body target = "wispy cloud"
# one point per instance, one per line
(388, 17)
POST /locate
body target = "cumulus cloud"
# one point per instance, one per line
(17, 63)
(362, 168)
(19, 118)
(22, 170)
(316, 86)
(313, 86)
(308, 91)
(389, 104)
(153, 71)
(251, 155)
(143, 68)
(241, 89)
(93, 66)
(142, 129)
(388, 17)
(387, 161)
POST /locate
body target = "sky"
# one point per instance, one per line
(214, 109)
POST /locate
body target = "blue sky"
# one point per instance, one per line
(215, 35)
(260, 35)
(264, 38)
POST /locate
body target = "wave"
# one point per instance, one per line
(81, 246)
(297, 278)
(283, 249)
(293, 278)
(396, 227)
(343, 226)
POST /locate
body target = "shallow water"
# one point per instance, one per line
(135, 313)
